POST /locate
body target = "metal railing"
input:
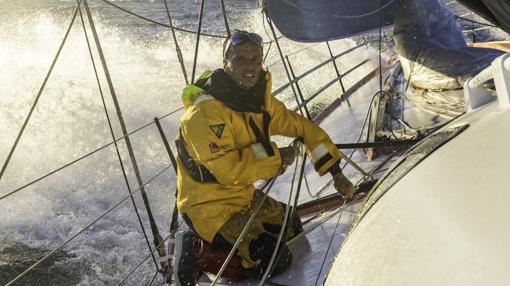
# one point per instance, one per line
(477, 96)
(295, 80)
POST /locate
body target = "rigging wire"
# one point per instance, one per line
(174, 221)
(289, 214)
(83, 229)
(330, 242)
(153, 278)
(246, 227)
(82, 157)
(359, 138)
(159, 23)
(379, 93)
(195, 58)
(177, 48)
(119, 157)
(476, 22)
(299, 7)
(267, 53)
(291, 54)
(140, 263)
(132, 270)
(114, 142)
(27, 119)
(227, 27)
(119, 114)
(275, 38)
(270, 42)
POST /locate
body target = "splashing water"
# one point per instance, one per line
(69, 121)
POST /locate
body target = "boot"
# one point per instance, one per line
(186, 269)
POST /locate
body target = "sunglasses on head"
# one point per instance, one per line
(240, 37)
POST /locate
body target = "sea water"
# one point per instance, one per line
(69, 121)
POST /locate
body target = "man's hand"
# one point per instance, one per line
(288, 155)
(343, 185)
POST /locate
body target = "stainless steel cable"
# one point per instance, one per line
(346, 17)
(83, 229)
(81, 158)
(159, 23)
(32, 108)
(246, 227)
(197, 43)
(177, 47)
(288, 207)
(119, 157)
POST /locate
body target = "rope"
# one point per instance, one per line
(363, 126)
(51, 253)
(476, 22)
(159, 23)
(284, 229)
(330, 242)
(267, 53)
(177, 48)
(11, 152)
(270, 42)
(246, 227)
(124, 131)
(345, 17)
(81, 158)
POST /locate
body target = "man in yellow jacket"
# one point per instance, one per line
(225, 150)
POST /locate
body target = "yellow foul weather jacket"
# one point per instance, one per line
(222, 141)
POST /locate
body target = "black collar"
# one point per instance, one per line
(220, 86)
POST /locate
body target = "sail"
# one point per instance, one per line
(431, 46)
(324, 20)
(495, 11)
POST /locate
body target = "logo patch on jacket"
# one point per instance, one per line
(214, 148)
(217, 129)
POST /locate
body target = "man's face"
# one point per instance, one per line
(243, 64)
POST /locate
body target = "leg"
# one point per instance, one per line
(260, 240)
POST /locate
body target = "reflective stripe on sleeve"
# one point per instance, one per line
(259, 151)
(318, 152)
